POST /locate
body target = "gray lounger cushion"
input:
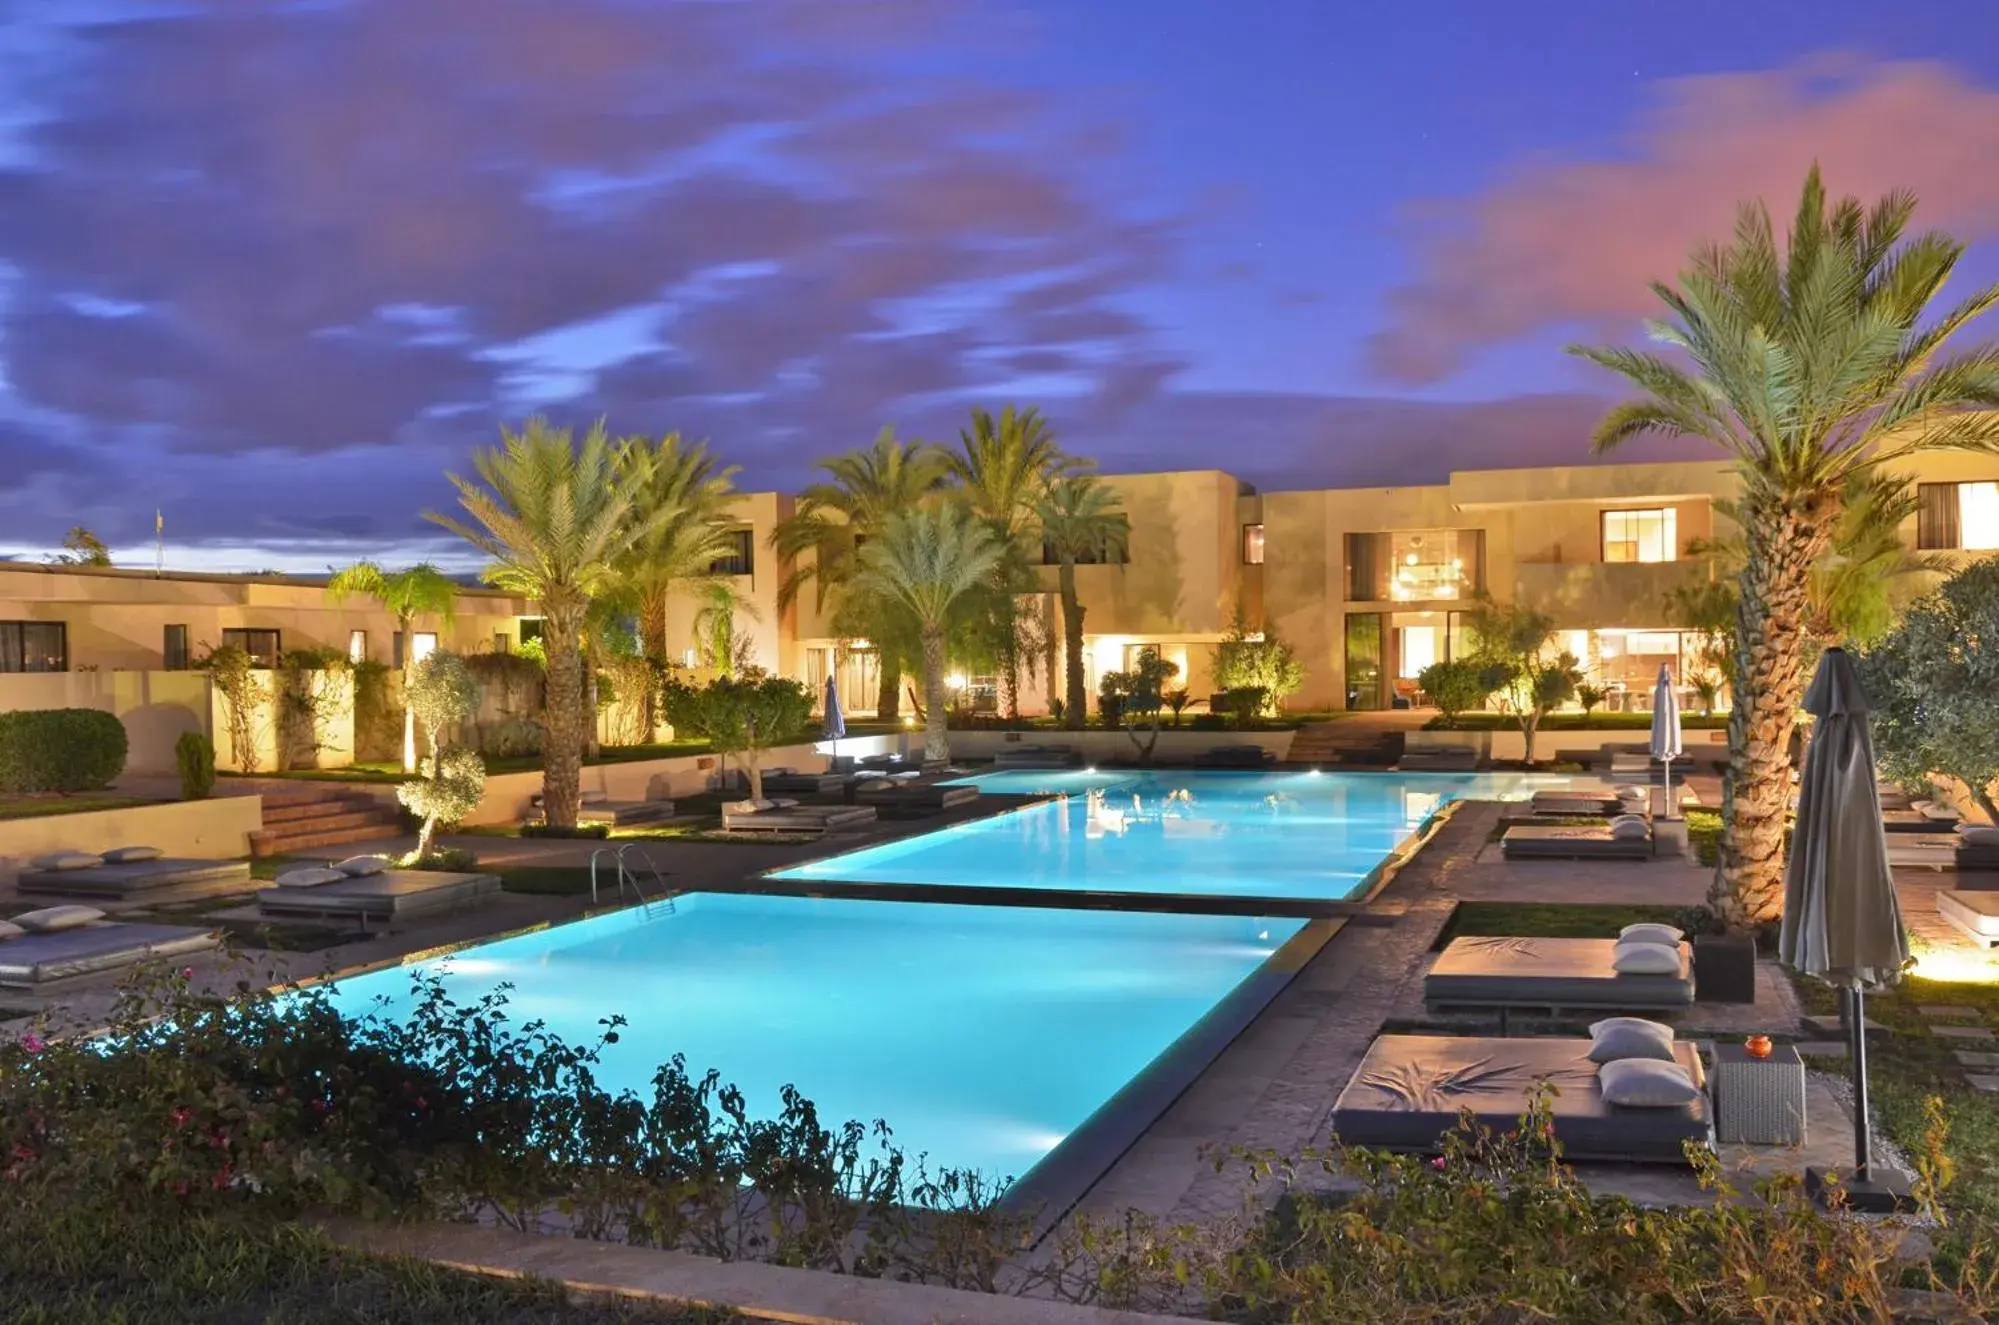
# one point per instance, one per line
(1941, 851)
(931, 796)
(1549, 973)
(1976, 913)
(796, 818)
(380, 896)
(1409, 1090)
(1572, 841)
(808, 783)
(134, 877)
(128, 855)
(40, 958)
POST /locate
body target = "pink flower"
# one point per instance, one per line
(33, 1043)
(187, 973)
(1438, 1164)
(180, 1115)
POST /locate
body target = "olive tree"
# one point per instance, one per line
(1933, 683)
(442, 695)
(743, 715)
(1516, 643)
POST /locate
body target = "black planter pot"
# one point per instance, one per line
(1725, 968)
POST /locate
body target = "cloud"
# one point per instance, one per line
(211, 218)
(1576, 241)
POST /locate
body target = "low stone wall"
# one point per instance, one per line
(1702, 746)
(217, 828)
(1174, 746)
(510, 796)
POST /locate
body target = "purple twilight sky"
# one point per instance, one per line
(275, 267)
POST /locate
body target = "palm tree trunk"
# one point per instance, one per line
(1076, 704)
(888, 694)
(936, 738)
(652, 622)
(1784, 542)
(562, 751)
(403, 625)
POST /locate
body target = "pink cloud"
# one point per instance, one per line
(1564, 241)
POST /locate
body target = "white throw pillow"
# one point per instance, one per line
(1981, 835)
(1645, 959)
(1940, 813)
(1650, 933)
(360, 867)
(1630, 830)
(1634, 793)
(52, 918)
(740, 807)
(67, 860)
(310, 876)
(10, 930)
(131, 855)
(1629, 1037)
(1646, 1083)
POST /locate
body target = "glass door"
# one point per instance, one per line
(1363, 658)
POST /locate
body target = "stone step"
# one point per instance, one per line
(267, 843)
(290, 809)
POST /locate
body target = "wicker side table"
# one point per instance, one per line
(1759, 1101)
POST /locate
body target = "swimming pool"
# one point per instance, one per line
(1292, 836)
(983, 1036)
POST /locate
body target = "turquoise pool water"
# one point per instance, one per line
(982, 1035)
(1303, 836)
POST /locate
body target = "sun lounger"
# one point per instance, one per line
(1921, 817)
(1409, 1092)
(1585, 802)
(1942, 851)
(42, 958)
(1573, 842)
(1630, 763)
(1974, 912)
(133, 877)
(903, 800)
(1037, 756)
(597, 808)
(790, 782)
(1557, 974)
(390, 895)
(1235, 756)
(786, 817)
(1439, 759)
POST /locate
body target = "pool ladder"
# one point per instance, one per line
(628, 877)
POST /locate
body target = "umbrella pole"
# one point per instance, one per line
(1856, 1008)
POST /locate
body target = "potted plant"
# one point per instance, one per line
(1724, 959)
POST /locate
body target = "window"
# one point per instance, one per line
(1641, 535)
(357, 646)
(1415, 565)
(261, 645)
(425, 645)
(530, 628)
(1135, 653)
(1957, 515)
(502, 642)
(34, 646)
(173, 651)
(1252, 545)
(1108, 553)
(740, 561)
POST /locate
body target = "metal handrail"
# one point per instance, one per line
(628, 877)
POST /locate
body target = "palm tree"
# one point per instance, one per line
(1004, 466)
(925, 560)
(1079, 518)
(715, 624)
(409, 595)
(683, 496)
(557, 523)
(863, 490)
(1809, 367)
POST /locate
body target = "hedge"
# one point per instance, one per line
(60, 750)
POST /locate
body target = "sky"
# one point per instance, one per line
(274, 269)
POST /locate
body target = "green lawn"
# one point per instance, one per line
(41, 807)
(1561, 920)
(118, 1266)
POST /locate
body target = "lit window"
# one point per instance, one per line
(1978, 516)
(422, 645)
(1641, 535)
(357, 646)
(1418, 650)
(1252, 545)
(34, 646)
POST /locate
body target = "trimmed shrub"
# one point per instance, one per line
(195, 754)
(60, 750)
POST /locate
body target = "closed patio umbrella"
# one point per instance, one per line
(1666, 743)
(1842, 921)
(836, 721)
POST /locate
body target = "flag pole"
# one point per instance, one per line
(159, 542)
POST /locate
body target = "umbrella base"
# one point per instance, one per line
(1886, 1192)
